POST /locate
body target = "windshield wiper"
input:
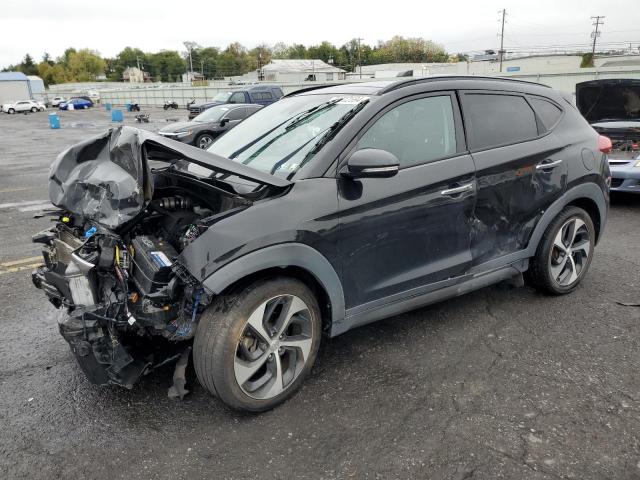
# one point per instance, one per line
(332, 131)
(312, 111)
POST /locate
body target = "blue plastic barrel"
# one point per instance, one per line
(117, 116)
(107, 107)
(54, 120)
(128, 106)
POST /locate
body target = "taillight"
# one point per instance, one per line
(604, 144)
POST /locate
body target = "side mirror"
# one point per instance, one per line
(371, 163)
(223, 122)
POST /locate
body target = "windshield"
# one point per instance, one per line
(280, 138)
(212, 114)
(222, 96)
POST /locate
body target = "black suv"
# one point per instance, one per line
(259, 94)
(329, 209)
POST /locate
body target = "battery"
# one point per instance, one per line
(152, 261)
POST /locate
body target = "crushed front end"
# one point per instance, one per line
(112, 259)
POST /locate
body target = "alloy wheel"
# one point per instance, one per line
(274, 347)
(570, 251)
(205, 142)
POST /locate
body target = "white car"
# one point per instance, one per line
(57, 101)
(23, 106)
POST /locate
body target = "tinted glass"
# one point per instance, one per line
(416, 132)
(236, 114)
(547, 112)
(494, 120)
(237, 97)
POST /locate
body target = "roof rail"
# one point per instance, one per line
(417, 81)
(311, 88)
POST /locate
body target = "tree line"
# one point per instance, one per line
(169, 65)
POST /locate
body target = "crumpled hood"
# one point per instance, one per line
(607, 100)
(107, 178)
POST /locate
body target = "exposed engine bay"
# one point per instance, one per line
(112, 259)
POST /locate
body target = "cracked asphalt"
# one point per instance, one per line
(501, 383)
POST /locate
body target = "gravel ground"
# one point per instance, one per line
(501, 383)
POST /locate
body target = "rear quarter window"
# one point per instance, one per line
(548, 113)
(498, 119)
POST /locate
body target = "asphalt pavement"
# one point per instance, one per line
(500, 383)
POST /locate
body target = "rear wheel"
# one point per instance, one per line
(34, 109)
(564, 253)
(254, 349)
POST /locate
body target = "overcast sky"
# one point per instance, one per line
(36, 26)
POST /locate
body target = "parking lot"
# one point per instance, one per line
(500, 383)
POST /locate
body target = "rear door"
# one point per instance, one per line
(400, 236)
(520, 166)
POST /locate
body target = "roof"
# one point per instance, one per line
(12, 77)
(300, 65)
(382, 87)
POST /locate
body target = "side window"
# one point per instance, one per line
(266, 96)
(237, 97)
(416, 132)
(495, 119)
(277, 93)
(547, 112)
(236, 114)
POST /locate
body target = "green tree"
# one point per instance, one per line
(128, 57)
(85, 65)
(166, 65)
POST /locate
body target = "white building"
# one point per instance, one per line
(301, 70)
(14, 86)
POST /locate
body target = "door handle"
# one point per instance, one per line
(456, 190)
(544, 166)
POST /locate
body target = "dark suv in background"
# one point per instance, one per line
(332, 208)
(209, 125)
(259, 94)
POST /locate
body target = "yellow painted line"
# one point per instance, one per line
(20, 262)
(20, 268)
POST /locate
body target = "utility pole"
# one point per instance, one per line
(202, 68)
(359, 56)
(138, 62)
(501, 51)
(595, 34)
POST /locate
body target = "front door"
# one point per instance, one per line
(402, 234)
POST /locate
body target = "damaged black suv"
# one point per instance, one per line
(331, 208)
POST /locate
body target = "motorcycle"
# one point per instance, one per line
(171, 104)
(135, 107)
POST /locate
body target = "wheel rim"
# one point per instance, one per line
(205, 141)
(274, 347)
(570, 252)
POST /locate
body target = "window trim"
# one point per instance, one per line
(461, 147)
(507, 93)
(545, 99)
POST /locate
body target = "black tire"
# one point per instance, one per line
(34, 109)
(11, 111)
(540, 268)
(223, 327)
(204, 140)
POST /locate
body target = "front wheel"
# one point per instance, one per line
(34, 109)
(254, 349)
(204, 140)
(564, 253)
(11, 110)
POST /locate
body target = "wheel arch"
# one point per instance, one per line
(588, 196)
(296, 260)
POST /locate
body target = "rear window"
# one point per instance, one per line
(496, 119)
(262, 96)
(547, 112)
